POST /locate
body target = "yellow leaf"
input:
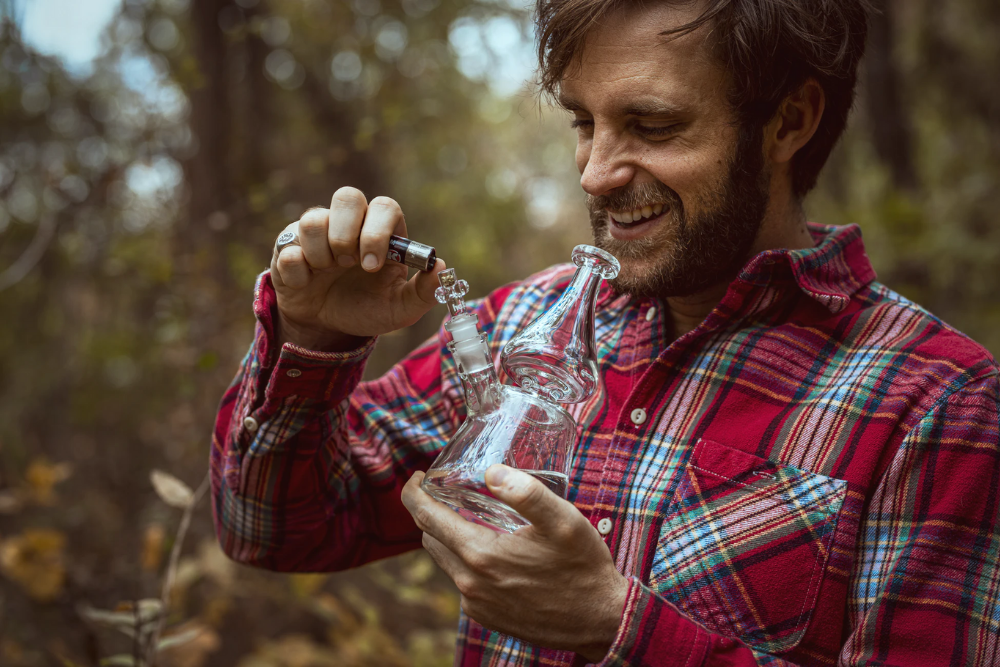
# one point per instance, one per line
(42, 478)
(35, 560)
(305, 585)
(421, 568)
(152, 547)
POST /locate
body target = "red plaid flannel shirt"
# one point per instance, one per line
(813, 477)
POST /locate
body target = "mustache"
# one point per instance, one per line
(636, 196)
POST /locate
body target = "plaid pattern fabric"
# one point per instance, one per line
(816, 481)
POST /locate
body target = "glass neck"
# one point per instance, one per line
(580, 296)
(483, 391)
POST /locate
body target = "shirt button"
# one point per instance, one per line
(651, 313)
(604, 526)
(638, 416)
(251, 424)
(293, 372)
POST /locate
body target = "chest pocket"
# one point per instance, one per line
(745, 544)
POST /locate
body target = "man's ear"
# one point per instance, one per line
(796, 121)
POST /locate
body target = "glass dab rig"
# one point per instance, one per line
(553, 362)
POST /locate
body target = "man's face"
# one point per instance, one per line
(674, 191)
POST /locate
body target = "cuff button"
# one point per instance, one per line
(251, 424)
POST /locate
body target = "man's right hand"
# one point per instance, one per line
(337, 285)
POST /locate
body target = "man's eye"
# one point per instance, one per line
(656, 130)
(579, 123)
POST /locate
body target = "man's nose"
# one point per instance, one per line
(607, 166)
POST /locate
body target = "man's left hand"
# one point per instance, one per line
(552, 583)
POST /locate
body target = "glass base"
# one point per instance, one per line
(472, 499)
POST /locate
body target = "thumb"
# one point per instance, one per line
(527, 495)
(417, 295)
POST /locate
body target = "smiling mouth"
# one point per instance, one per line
(638, 215)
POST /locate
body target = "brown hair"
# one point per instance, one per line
(769, 47)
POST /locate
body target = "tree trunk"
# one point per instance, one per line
(208, 170)
(890, 124)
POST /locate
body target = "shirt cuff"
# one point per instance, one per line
(296, 371)
(654, 632)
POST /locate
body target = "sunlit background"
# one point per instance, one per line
(150, 152)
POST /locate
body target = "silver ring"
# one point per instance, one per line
(284, 240)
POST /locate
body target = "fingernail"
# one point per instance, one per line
(496, 475)
(345, 260)
(370, 261)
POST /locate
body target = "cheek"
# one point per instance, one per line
(690, 175)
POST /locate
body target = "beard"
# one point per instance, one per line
(688, 253)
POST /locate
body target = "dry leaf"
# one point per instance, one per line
(188, 645)
(421, 568)
(306, 585)
(42, 478)
(35, 560)
(171, 490)
(11, 502)
(152, 547)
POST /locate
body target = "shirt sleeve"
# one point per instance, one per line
(308, 462)
(926, 583)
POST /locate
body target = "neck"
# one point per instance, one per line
(784, 226)
(687, 312)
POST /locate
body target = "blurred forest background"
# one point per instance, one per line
(139, 198)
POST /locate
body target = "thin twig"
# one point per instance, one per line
(137, 632)
(171, 574)
(31, 255)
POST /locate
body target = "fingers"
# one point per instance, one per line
(384, 218)
(352, 230)
(546, 511)
(416, 296)
(440, 521)
(313, 236)
(289, 268)
(426, 282)
(347, 213)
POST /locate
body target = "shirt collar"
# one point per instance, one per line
(831, 272)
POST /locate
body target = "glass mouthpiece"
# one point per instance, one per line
(601, 260)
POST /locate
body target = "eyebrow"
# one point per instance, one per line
(642, 107)
(652, 107)
(568, 103)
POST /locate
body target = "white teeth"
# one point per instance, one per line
(636, 215)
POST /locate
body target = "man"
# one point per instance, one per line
(789, 462)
